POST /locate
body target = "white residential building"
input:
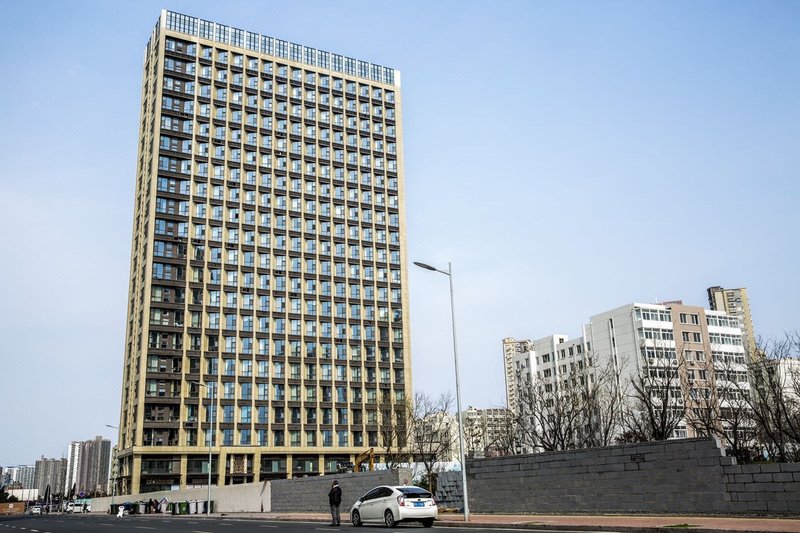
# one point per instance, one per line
(706, 346)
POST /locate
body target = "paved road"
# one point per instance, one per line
(143, 524)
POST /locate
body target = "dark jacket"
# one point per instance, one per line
(335, 496)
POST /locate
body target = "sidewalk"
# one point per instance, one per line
(627, 524)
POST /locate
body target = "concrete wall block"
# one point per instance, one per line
(744, 478)
(762, 478)
(790, 467)
(793, 486)
(732, 469)
(773, 487)
(751, 469)
(782, 477)
(770, 467)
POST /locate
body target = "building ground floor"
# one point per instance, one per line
(145, 469)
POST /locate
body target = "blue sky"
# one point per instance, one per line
(567, 157)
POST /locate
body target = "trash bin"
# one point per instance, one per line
(142, 507)
(183, 507)
(172, 508)
(192, 506)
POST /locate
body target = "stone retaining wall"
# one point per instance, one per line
(761, 488)
(691, 476)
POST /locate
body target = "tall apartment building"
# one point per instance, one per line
(87, 466)
(25, 476)
(735, 302)
(267, 263)
(50, 473)
(22, 477)
(512, 349)
(73, 466)
(705, 346)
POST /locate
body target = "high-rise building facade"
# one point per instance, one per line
(512, 350)
(73, 466)
(735, 302)
(26, 476)
(50, 473)
(267, 307)
(87, 466)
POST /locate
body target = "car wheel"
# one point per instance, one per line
(388, 518)
(428, 522)
(355, 518)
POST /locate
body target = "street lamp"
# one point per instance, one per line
(449, 274)
(113, 468)
(211, 428)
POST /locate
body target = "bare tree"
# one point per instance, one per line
(655, 407)
(774, 386)
(548, 414)
(719, 407)
(506, 437)
(432, 431)
(475, 435)
(395, 430)
(601, 402)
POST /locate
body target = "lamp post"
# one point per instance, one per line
(113, 468)
(211, 428)
(449, 274)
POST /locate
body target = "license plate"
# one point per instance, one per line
(419, 504)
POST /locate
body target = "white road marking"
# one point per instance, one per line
(144, 527)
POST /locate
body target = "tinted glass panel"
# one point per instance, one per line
(415, 492)
(371, 494)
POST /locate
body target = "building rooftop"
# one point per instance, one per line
(265, 44)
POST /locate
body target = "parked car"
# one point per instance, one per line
(391, 505)
(36, 509)
(76, 507)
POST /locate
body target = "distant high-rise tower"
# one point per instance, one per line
(735, 302)
(73, 466)
(512, 350)
(50, 472)
(268, 262)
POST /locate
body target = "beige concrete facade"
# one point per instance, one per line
(735, 302)
(268, 261)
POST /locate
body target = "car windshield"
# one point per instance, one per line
(414, 492)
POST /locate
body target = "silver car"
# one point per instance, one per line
(391, 505)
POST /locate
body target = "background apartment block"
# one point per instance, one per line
(50, 473)
(512, 352)
(267, 263)
(19, 477)
(87, 466)
(705, 347)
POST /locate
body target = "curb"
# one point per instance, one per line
(468, 525)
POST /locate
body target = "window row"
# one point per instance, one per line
(278, 347)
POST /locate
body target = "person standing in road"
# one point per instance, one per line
(335, 500)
